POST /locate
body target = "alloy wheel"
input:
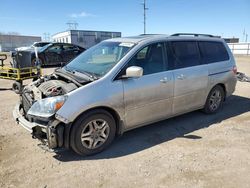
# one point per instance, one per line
(95, 133)
(215, 100)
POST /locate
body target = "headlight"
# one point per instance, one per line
(47, 107)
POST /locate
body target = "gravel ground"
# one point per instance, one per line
(192, 150)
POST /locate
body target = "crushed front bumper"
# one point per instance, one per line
(50, 134)
(22, 121)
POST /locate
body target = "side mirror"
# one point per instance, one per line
(134, 72)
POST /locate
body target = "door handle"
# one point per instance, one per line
(181, 77)
(164, 80)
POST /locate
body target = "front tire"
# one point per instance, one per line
(214, 100)
(92, 132)
(33, 62)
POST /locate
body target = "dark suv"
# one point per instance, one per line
(51, 54)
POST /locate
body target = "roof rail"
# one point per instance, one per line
(193, 34)
(149, 34)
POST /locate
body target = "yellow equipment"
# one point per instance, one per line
(17, 74)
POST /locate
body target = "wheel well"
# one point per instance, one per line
(224, 89)
(112, 112)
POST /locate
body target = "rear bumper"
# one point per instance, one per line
(50, 134)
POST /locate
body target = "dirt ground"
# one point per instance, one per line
(192, 150)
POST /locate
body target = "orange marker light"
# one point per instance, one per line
(58, 105)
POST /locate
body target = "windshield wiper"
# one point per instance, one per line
(90, 76)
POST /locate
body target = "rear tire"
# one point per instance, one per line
(92, 132)
(214, 100)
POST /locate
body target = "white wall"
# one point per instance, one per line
(240, 48)
(62, 37)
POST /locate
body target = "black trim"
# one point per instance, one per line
(67, 128)
(219, 72)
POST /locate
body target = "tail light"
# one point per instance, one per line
(234, 69)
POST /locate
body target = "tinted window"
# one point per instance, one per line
(68, 47)
(150, 59)
(185, 54)
(55, 48)
(212, 52)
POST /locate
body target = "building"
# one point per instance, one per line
(84, 38)
(232, 40)
(10, 42)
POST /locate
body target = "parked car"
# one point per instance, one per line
(124, 83)
(51, 54)
(35, 45)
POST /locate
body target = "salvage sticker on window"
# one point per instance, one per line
(126, 44)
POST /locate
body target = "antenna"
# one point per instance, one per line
(72, 25)
(144, 15)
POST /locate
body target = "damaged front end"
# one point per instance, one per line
(37, 109)
(50, 133)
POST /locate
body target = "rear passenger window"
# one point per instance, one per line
(185, 54)
(212, 52)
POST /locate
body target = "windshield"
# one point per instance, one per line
(100, 59)
(44, 47)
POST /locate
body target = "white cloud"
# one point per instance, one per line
(81, 15)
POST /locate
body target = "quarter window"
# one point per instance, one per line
(150, 58)
(185, 54)
(212, 52)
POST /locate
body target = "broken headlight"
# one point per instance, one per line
(47, 107)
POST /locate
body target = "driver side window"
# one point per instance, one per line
(55, 49)
(150, 58)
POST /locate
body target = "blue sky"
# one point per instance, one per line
(219, 17)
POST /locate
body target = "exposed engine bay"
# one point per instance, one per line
(48, 86)
(52, 88)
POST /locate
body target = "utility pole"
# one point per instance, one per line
(244, 33)
(144, 15)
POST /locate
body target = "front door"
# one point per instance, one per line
(148, 98)
(53, 55)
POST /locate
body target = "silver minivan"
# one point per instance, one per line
(124, 83)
